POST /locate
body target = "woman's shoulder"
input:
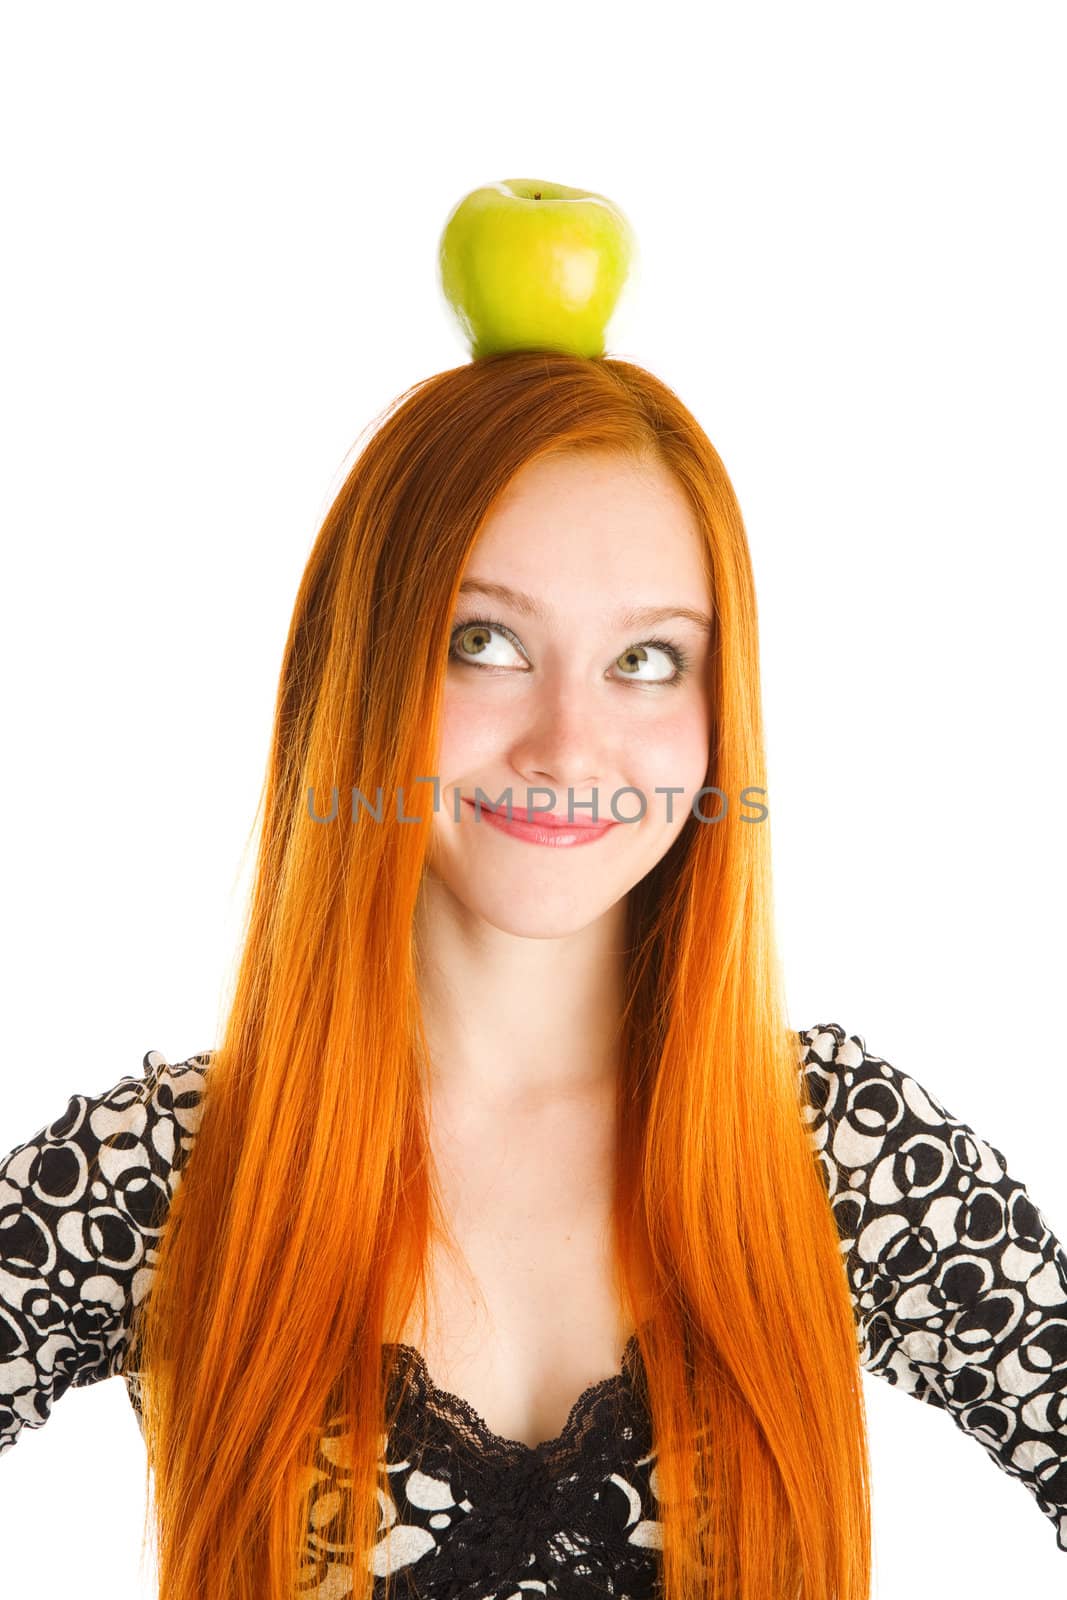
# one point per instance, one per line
(845, 1079)
(150, 1120)
(861, 1107)
(173, 1088)
(99, 1136)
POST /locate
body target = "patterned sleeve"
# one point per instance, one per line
(958, 1284)
(82, 1204)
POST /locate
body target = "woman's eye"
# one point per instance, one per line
(472, 644)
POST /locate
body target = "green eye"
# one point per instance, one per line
(480, 627)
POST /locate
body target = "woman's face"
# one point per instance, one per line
(575, 700)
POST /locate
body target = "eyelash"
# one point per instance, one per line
(675, 652)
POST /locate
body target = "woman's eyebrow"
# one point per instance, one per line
(633, 617)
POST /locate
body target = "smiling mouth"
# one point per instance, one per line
(542, 819)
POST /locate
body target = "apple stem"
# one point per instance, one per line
(537, 196)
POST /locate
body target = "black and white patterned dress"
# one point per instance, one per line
(958, 1285)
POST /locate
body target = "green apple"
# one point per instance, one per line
(530, 265)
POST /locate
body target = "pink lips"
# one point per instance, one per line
(547, 819)
(542, 828)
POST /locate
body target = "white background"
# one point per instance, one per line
(219, 265)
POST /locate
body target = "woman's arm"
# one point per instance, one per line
(82, 1205)
(958, 1283)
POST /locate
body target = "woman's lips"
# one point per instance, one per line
(548, 818)
(539, 828)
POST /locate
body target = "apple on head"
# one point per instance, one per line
(531, 265)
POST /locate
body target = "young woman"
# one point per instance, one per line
(510, 1241)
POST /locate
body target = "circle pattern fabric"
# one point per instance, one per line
(958, 1286)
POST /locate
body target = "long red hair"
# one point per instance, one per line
(297, 1241)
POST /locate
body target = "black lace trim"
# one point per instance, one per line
(574, 1516)
(603, 1408)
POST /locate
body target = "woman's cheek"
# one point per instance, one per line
(672, 756)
